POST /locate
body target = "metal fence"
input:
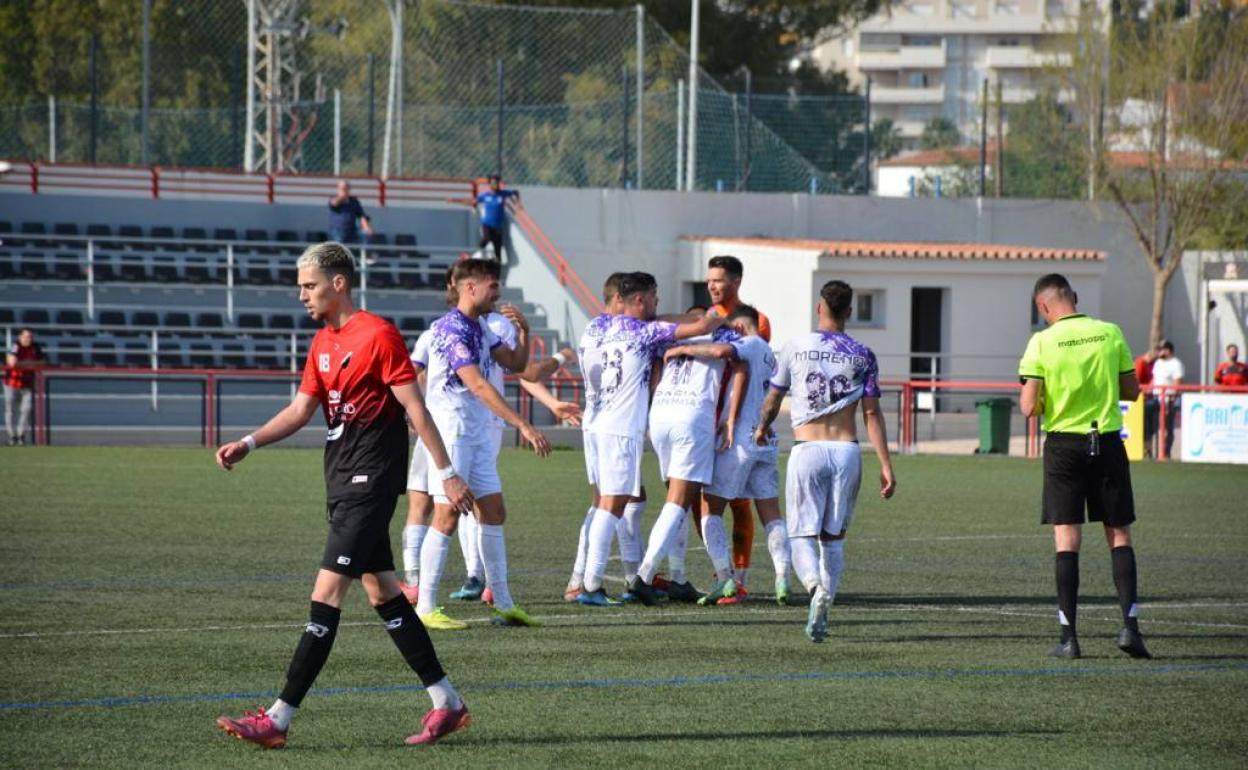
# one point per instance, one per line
(548, 96)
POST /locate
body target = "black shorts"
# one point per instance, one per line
(359, 535)
(1075, 480)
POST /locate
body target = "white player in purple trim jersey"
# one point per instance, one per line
(827, 373)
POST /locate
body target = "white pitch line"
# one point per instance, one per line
(606, 616)
(1147, 622)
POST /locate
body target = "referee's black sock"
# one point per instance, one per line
(1067, 591)
(412, 639)
(1123, 558)
(312, 652)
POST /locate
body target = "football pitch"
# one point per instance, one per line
(143, 592)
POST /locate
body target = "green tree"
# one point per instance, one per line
(940, 133)
(1042, 151)
(885, 139)
(1175, 96)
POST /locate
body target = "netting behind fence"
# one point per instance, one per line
(571, 84)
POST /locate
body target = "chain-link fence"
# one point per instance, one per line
(556, 96)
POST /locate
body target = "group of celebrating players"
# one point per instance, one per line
(705, 385)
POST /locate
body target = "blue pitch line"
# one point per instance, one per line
(672, 681)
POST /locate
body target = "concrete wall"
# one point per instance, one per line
(600, 231)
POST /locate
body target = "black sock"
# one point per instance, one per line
(312, 652)
(412, 639)
(1123, 558)
(1067, 591)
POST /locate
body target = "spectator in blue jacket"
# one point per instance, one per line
(493, 203)
(344, 212)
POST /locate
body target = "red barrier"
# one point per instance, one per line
(590, 302)
(231, 184)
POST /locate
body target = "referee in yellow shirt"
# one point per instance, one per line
(1074, 373)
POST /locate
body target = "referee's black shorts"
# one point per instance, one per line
(1075, 480)
(359, 535)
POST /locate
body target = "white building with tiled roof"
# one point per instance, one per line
(965, 305)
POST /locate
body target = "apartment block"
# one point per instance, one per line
(930, 58)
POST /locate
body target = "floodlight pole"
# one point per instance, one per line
(983, 142)
(680, 135)
(866, 154)
(249, 145)
(95, 94)
(147, 79)
(394, 94)
(624, 127)
(498, 165)
(691, 155)
(337, 132)
(641, 86)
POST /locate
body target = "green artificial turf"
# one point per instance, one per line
(143, 592)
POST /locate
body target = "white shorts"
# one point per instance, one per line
(496, 439)
(476, 465)
(613, 463)
(685, 451)
(822, 487)
(418, 469)
(746, 471)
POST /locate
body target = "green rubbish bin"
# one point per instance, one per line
(994, 425)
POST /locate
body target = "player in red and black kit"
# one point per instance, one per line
(20, 363)
(359, 375)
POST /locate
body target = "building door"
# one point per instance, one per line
(927, 307)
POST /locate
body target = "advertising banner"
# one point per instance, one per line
(1215, 427)
(1133, 427)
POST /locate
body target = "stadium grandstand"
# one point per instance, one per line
(120, 270)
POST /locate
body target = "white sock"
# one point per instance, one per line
(677, 550)
(281, 713)
(413, 536)
(629, 533)
(494, 554)
(662, 536)
(805, 553)
(601, 532)
(582, 547)
(830, 567)
(443, 695)
(778, 547)
(432, 562)
(470, 546)
(717, 546)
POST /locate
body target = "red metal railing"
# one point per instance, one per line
(567, 387)
(564, 386)
(172, 183)
(590, 302)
